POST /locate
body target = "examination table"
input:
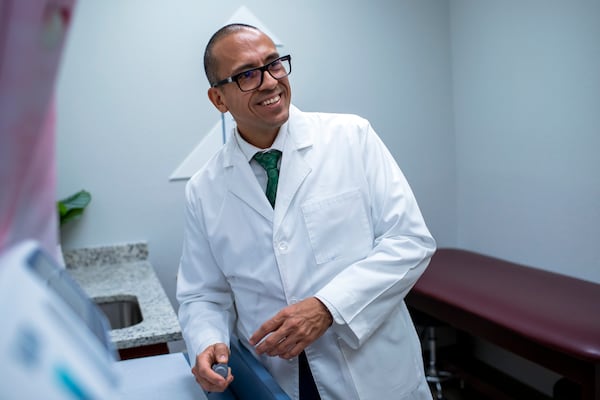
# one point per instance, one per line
(548, 318)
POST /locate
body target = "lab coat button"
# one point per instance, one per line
(283, 246)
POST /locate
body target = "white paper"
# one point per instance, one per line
(245, 16)
(207, 147)
(166, 376)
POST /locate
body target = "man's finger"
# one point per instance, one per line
(292, 351)
(268, 327)
(221, 353)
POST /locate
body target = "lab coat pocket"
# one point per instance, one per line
(338, 227)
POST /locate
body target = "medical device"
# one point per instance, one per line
(54, 341)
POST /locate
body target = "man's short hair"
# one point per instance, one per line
(210, 61)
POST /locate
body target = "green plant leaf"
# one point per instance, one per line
(73, 206)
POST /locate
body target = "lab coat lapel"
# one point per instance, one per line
(294, 168)
(242, 183)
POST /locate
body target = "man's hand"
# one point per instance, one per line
(205, 376)
(294, 328)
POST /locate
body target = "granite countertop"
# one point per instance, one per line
(119, 272)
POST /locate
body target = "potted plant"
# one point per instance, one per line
(72, 207)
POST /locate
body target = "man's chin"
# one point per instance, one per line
(278, 118)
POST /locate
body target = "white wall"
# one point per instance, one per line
(526, 84)
(132, 103)
(526, 80)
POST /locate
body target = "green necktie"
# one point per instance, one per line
(268, 161)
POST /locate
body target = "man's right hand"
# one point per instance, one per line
(205, 376)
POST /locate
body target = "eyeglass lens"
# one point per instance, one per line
(252, 79)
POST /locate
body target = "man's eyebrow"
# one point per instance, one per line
(249, 66)
(243, 68)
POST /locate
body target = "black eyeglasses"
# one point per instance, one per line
(252, 79)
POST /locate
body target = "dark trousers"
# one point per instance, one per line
(308, 389)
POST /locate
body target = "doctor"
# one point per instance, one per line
(308, 258)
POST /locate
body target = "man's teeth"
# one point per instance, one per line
(270, 101)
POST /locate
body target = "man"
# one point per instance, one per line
(310, 275)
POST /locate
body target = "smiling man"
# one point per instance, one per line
(258, 113)
(302, 238)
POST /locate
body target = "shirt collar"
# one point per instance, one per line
(250, 150)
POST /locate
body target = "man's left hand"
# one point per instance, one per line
(292, 329)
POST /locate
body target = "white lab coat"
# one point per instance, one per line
(345, 228)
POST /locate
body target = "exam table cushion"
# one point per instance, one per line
(555, 310)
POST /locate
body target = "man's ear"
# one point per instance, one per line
(216, 97)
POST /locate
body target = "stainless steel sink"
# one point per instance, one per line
(122, 312)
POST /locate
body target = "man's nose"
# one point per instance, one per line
(268, 81)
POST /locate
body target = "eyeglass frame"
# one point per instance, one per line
(235, 77)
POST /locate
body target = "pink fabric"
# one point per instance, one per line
(32, 34)
(28, 202)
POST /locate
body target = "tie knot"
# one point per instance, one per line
(269, 159)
